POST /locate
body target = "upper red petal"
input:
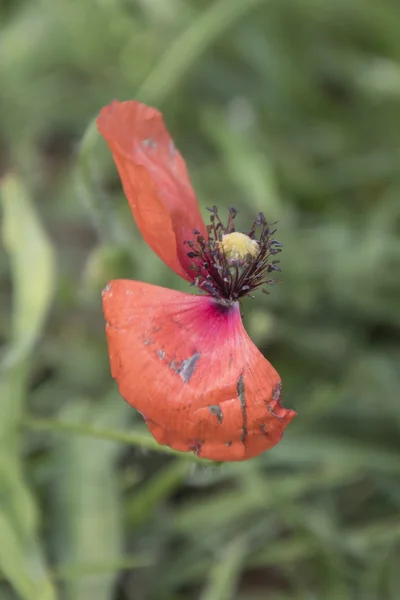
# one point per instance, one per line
(187, 364)
(155, 180)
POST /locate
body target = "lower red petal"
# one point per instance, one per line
(187, 364)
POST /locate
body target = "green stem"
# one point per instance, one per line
(139, 440)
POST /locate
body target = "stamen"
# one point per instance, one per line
(231, 264)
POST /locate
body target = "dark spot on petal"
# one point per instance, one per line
(185, 369)
(263, 430)
(149, 143)
(273, 413)
(276, 394)
(188, 366)
(228, 443)
(195, 446)
(217, 411)
(242, 398)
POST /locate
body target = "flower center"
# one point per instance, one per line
(229, 264)
(239, 248)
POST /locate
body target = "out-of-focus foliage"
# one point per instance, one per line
(291, 107)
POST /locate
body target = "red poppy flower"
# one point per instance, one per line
(185, 361)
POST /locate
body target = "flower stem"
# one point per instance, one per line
(139, 440)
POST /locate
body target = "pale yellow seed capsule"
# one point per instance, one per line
(239, 249)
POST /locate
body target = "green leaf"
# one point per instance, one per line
(87, 525)
(32, 265)
(13, 561)
(190, 45)
(32, 268)
(225, 572)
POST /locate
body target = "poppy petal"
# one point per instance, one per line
(186, 363)
(155, 180)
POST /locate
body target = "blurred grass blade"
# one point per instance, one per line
(143, 502)
(247, 168)
(189, 46)
(224, 575)
(162, 80)
(13, 561)
(108, 567)
(87, 515)
(32, 268)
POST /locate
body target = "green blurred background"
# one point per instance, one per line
(291, 107)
